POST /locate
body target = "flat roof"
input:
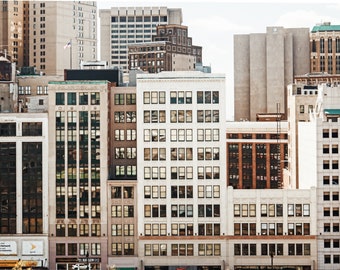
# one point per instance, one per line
(325, 28)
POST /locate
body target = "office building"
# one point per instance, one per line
(271, 229)
(12, 25)
(264, 64)
(24, 187)
(325, 48)
(319, 163)
(62, 34)
(181, 169)
(123, 26)
(256, 154)
(170, 50)
(78, 112)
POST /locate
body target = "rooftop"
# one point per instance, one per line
(325, 27)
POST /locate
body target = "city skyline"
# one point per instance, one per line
(213, 25)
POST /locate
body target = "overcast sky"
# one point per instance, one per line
(212, 24)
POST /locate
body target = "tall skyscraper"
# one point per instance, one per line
(62, 34)
(78, 112)
(12, 30)
(325, 48)
(181, 173)
(264, 64)
(121, 26)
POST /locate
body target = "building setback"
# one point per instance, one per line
(264, 64)
(170, 50)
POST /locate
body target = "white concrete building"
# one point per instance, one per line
(181, 169)
(319, 163)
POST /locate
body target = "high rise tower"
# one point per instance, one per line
(264, 64)
(122, 26)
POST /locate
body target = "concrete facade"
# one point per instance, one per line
(53, 24)
(264, 64)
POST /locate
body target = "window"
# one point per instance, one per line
(60, 98)
(130, 99)
(119, 99)
(71, 98)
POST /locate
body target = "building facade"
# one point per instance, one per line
(264, 64)
(325, 48)
(256, 154)
(123, 26)
(62, 34)
(319, 163)
(181, 170)
(170, 50)
(78, 113)
(12, 24)
(23, 190)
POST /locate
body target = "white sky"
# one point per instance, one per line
(212, 24)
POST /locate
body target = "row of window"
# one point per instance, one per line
(331, 227)
(182, 250)
(181, 116)
(125, 117)
(122, 192)
(26, 90)
(271, 210)
(327, 196)
(333, 132)
(78, 230)
(125, 152)
(126, 170)
(122, 229)
(81, 250)
(331, 211)
(117, 249)
(326, 147)
(207, 153)
(326, 165)
(328, 259)
(327, 180)
(181, 97)
(122, 99)
(125, 135)
(118, 211)
(182, 173)
(277, 249)
(28, 129)
(83, 98)
(182, 210)
(180, 135)
(271, 229)
(327, 243)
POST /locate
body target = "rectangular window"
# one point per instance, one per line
(119, 99)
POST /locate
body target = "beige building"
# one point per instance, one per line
(12, 30)
(33, 92)
(264, 64)
(56, 24)
(123, 26)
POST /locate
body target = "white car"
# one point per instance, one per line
(81, 266)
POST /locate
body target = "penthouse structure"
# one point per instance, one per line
(170, 50)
